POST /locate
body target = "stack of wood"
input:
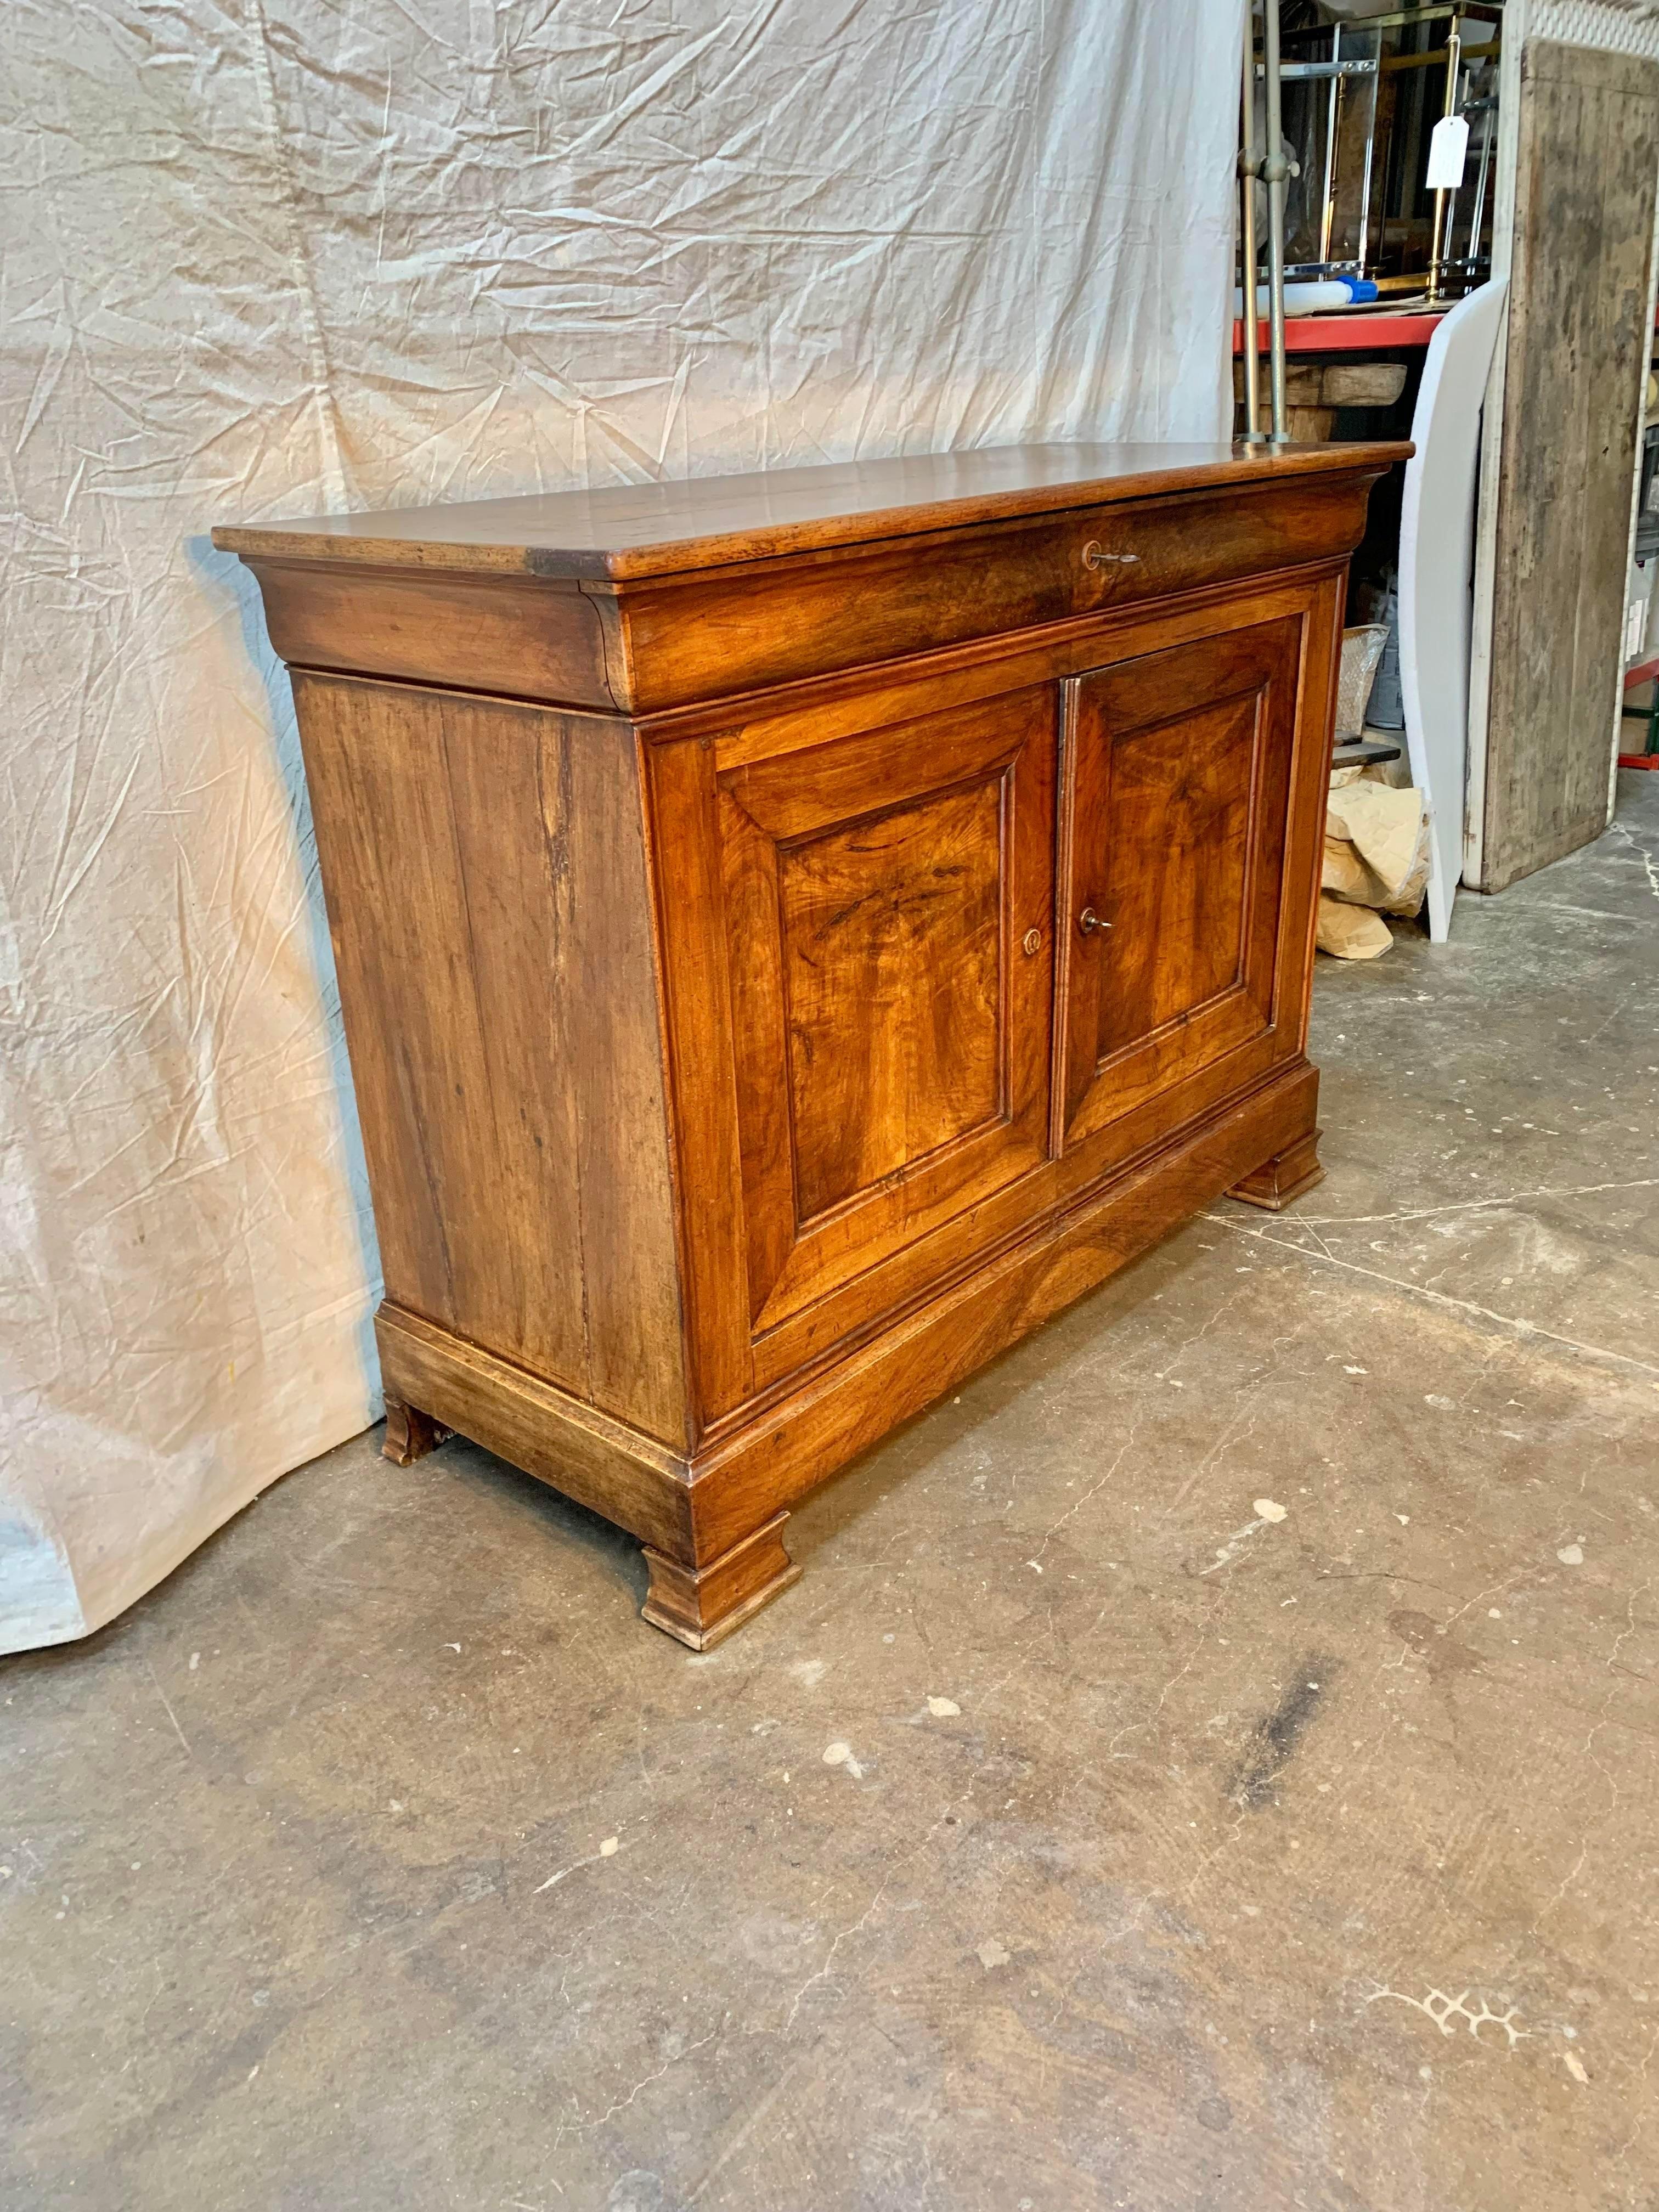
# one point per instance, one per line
(1314, 390)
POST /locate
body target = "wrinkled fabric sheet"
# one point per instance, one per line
(272, 257)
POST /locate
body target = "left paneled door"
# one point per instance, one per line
(888, 900)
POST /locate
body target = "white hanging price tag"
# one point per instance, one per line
(1447, 150)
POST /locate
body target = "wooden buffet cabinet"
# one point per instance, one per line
(797, 932)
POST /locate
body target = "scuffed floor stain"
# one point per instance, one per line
(1274, 1739)
(1441, 1653)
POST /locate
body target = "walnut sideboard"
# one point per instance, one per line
(797, 932)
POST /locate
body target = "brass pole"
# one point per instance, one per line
(1276, 169)
(1437, 252)
(1333, 117)
(1250, 168)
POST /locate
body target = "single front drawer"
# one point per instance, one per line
(1118, 555)
(753, 624)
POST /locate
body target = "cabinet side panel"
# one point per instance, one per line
(484, 863)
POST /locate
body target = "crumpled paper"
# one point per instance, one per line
(1376, 862)
(272, 260)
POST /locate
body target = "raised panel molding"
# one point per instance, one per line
(896, 1030)
(1175, 810)
(890, 1022)
(733, 1076)
(1178, 866)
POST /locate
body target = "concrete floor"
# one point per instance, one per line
(1210, 1763)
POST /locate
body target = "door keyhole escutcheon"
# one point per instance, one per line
(1089, 922)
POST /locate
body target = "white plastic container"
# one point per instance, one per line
(1299, 299)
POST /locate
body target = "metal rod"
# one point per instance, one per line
(1276, 169)
(1365, 180)
(1487, 133)
(1454, 55)
(1329, 209)
(1341, 124)
(1296, 72)
(1249, 167)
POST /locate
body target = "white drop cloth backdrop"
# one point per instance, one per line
(274, 257)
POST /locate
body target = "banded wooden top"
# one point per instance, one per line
(700, 522)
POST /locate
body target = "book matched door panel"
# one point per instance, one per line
(928, 981)
(887, 929)
(1175, 809)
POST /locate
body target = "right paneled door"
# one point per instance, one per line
(1175, 811)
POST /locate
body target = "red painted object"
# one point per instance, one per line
(1341, 334)
(1643, 672)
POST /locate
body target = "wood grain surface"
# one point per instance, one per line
(1178, 770)
(656, 529)
(483, 865)
(891, 1026)
(1578, 345)
(737, 1074)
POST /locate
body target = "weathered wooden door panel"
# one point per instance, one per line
(1175, 818)
(887, 904)
(1577, 356)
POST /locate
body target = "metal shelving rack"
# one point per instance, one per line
(1354, 241)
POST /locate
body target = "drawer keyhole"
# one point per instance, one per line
(1095, 556)
(1088, 921)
